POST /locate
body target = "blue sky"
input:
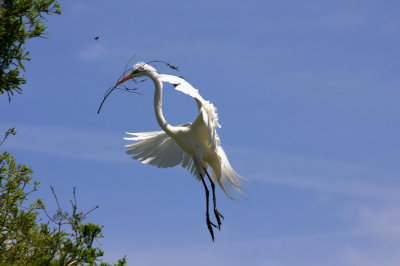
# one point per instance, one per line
(307, 94)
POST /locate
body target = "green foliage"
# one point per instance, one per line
(26, 240)
(20, 20)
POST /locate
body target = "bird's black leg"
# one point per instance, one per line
(209, 223)
(216, 212)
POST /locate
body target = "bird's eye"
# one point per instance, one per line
(135, 71)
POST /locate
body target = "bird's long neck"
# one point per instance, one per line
(158, 107)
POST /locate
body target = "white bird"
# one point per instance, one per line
(194, 146)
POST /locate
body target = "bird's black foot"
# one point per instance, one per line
(210, 226)
(218, 216)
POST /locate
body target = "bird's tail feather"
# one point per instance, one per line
(228, 178)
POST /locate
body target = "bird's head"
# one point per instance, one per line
(139, 70)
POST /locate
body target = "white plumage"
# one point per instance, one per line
(195, 146)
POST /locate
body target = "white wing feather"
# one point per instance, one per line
(181, 85)
(158, 149)
(155, 148)
(207, 111)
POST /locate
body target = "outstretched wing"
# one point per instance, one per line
(158, 149)
(207, 117)
(155, 148)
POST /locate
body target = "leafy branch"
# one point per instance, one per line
(25, 240)
(20, 20)
(9, 132)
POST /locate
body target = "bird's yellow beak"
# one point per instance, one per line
(127, 77)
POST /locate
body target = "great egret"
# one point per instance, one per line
(193, 145)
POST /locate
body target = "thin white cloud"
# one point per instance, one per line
(330, 249)
(355, 256)
(379, 220)
(331, 185)
(75, 143)
(319, 174)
